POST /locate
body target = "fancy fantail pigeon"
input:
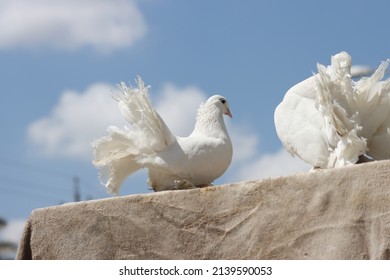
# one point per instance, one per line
(173, 162)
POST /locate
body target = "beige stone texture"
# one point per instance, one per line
(341, 213)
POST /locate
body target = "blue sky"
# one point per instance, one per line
(61, 60)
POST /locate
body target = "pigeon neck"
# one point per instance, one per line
(209, 121)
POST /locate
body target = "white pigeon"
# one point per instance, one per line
(173, 162)
(330, 120)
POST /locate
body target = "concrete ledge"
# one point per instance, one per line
(340, 213)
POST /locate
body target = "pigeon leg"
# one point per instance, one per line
(182, 184)
(315, 169)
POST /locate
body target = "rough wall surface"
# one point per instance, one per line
(331, 214)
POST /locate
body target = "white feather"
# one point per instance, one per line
(196, 160)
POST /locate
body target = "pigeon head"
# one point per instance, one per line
(221, 103)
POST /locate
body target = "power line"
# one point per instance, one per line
(30, 198)
(31, 167)
(21, 183)
(44, 170)
(28, 194)
(47, 171)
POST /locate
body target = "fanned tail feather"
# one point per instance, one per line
(348, 149)
(115, 156)
(123, 152)
(136, 106)
(335, 101)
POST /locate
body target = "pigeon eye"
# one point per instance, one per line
(223, 101)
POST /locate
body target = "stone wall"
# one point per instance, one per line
(341, 213)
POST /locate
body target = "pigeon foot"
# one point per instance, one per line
(183, 184)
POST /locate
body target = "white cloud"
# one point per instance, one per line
(245, 141)
(75, 121)
(178, 107)
(80, 117)
(271, 165)
(70, 24)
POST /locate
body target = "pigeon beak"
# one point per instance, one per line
(229, 113)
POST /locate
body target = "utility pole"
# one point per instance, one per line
(3, 223)
(76, 189)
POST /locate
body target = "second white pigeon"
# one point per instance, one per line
(173, 162)
(329, 120)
